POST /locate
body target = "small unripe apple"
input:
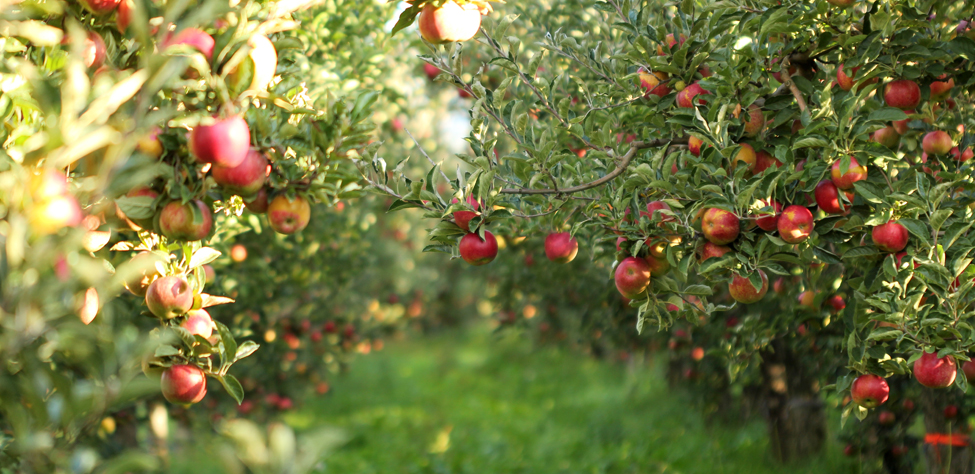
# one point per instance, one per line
(828, 198)
(168, 297)
(225, 142)
(890, 237)
(934, 372)
(887, 137)
(902, 94)
(764, 161)
(245, 179)
(685, 98)
(287, 216)
(742, 290)
(191, 221)
(183, 384)
(449, 23)
(720, 226)
(936, 143)
(198, 322)
(768, 222)
(853, 174)
(476, 251)
(632, 277)
(795, 224)
(654, 82)
(561, 247)
(870, 391)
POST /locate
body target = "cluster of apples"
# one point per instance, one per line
(871, 390)
(633, 274)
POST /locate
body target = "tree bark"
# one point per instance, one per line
(794, 412)
(943, 458)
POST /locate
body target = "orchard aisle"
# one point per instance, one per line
(473, 403)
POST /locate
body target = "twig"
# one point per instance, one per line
(445, 178)
(620, 167)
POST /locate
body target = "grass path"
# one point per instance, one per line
(458, 404)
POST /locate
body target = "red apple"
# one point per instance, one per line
(853, 174)
(769, 221)
(463, 218)
(869, 391)
(746, 154)
(754, 121)
(828, 198)
(837, 303)
(890, 237)
(476, 251)
(936, 143)
(658, 266)
(694, 145)
(561, 247)
(962, 156)
(654, 82)
(779, 286)
(168, 297)
(709, 250)
(886, 418)
(287, 216)
(184, 384)
(969, 369)
(934, 372)
(940, 89)
(848, 450)
(795, 224)
(259, 203)
(245, 179)
(654, 206)
(191, 221)
(431, 71)
(223, 143)
(764, 161)
(198, 322)
(685, 98)
(632, 277)
(742, 290)
(845, 82)
(902, 94)
(887, 137)
(123, 15)
(900, 126)
(697, 353)
(99, 7)
(449, 23)
(194, 37)
(720, 226)
(671, 42)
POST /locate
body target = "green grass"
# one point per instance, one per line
(472, 403)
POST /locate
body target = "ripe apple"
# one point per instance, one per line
(755, 121)
(476, 251)
(890, 237)
(191, 221)
(845, 82)
(245, 179)
(431, 71)
(560, 247)
(685, 98)
(720, 226)
(940, 89)
(53, 214)
(224, 142)
(654, 82)
(463, 218)
(184, 384)
(764, 161)
(150, 145)
(658, 266)
(887, 136)
(288, 216)
(238, 253)
(837, 303)
(853, 174)
(258, 205)
(779, 286)
(934, 372)
(198, 322)
(795, 224)
(768, 222)
(449, 23)
(746, 155)
(742, 290)
(848, 450)
(169, 296)
(900, 126)
(828, 198)
(146, 272)
(709, 250)
(808, 299)
(969, 369)
(936, 143)
(886, 418)
(869, 391)
(671, 42)
(100, 7)
(697, 353)
(194, 37)
(632, 277)
(902, 94)
(951, 411)
(255, 72)
(962, 156)
(841, 3)
(123, 14)
(654, 206)
(694, 145)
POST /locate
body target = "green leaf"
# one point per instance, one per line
(203, 256)
(698, 290)
(233, 387)
(228, 346)
(245, 349)
(917, 229)
(887, 114)
(406, 18)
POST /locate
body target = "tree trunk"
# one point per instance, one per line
(942, 457)
(795, 415)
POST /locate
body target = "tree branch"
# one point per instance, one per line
(620, 168)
